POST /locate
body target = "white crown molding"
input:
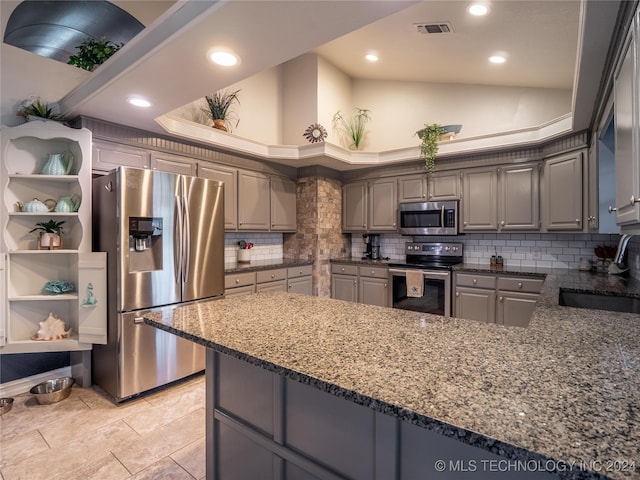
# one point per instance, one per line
(342, 159)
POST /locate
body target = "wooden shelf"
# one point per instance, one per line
(33, 346)
(61, 251)
(45, 298)
(48, 178)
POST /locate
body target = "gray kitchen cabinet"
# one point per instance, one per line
(344, 282)
(373, 285)
(253, 203)
(167, 162)
(562, 190)
(107, 156)
(444, 186)
(412, 188)
(239, 284)
(300, 280)
(519, 197)
(516, 299)
(229, 176)
(627, 133)
(354, 207)
(383, 205)
(271, 280)
(283, 204)
(475, 297)
(480, 199)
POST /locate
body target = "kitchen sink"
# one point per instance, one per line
(599, 301)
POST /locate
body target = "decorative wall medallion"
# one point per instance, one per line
(315, 133)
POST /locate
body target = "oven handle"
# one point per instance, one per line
(425, 273)
(442, 217)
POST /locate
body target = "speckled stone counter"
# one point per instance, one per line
(256, 265)
(567, 388)
(362, 261)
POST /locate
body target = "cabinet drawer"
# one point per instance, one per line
(520, 284)
(479, 281)
(303, 271)
(344, 269)
(271, 275)
(375, 272)
(239, 279)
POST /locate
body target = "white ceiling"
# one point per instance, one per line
(166, 62)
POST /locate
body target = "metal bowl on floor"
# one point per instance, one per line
(6, 404)
(52, 391)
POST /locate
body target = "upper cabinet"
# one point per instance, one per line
(519, 197)
(627, 133)
(412, 188)
(108, 156)
(52, 163)
(354, 207)
(166, 162)
(229, 176)
(370, 206)
(480, 199)
(253, 201)
(444, 186)
(283, 204)
(562, 183)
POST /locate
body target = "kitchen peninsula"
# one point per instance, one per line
(309, 387)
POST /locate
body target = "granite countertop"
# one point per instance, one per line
(256, 265)
(566, 388)
(383, 262)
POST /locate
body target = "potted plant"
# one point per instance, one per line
(352, 128)
(219, 109)
(429, 136)
(50, 234)
(93, 52)
(34, 109)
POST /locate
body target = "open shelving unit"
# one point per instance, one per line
(25, 150)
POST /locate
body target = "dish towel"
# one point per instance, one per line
(414, 283)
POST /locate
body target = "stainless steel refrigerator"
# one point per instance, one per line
(164, 238)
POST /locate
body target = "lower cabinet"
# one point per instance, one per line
(300, 280)
(363, 284)
(495, 298)
(292, 279)
(271, 280)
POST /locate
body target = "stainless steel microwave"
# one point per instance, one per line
(428, 218)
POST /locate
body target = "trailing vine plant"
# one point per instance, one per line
(429, 136)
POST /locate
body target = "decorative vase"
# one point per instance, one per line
(219, 124)
(49, 241)
(58, 164)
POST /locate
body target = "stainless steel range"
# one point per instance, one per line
(423, 282)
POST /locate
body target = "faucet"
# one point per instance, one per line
(617, 266)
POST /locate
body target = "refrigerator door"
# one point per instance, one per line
(203, 238)
(150, 357)
(150, 241)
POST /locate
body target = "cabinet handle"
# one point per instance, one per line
(385, 285)
(343, 269)
(372, 272)
(457, 294)
(430, 195)
(300, 272)
(241, 222)
(501, 299)
(634, 200)
(464, 223)
(354, 282)
(289, 285)
(475, 281)
(502, 223)
(519, 284)
(577, 221)
(273, 275)
(611, 209)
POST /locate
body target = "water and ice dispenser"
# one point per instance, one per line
(145, 244)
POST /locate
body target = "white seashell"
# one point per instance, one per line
(51, 329)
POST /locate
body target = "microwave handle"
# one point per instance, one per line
(442, 217)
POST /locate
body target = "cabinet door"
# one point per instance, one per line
(515, 308)
(302, 285)
(444, 186)
(627, 126)
(519, 201)
(239, 291)
(283, 205)
(279, 286)
(412, 188)
(229, 177)
(383, 205)
(480, 199)
(373, 291)
(92, 297)
(562, 192)
(354, 207)
(344, 287)
(476, 304)
(166, 162)
(253, 201)
(107, 156)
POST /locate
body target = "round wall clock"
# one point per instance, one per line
(315, 133)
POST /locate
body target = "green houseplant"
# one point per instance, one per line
(50, 234)
(429, 136)
(93, 52)
(352, 128)
(34, 108)
(219, 109)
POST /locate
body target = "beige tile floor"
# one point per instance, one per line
(86, 436)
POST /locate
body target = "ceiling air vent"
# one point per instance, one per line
(436, 27)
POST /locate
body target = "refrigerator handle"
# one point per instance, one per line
(177, 239)
(187, 238)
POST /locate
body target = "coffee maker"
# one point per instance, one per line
(372, 246)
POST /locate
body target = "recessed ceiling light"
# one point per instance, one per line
(497, 59)
(371, 57)
(224, 58)
(139, 102)
(478, 9)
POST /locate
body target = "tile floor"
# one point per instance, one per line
(86, 436)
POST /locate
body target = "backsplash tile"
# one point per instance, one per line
(553, 250)
(266, 246)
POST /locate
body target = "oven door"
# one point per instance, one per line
(436, 297)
